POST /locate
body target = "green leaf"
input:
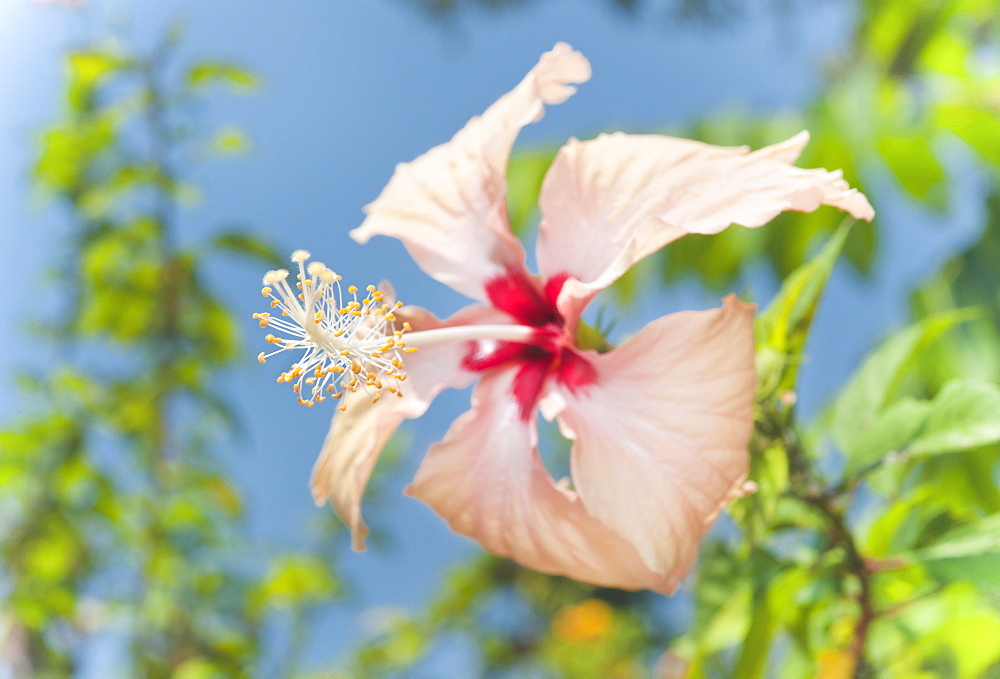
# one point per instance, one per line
(968, 553)
(965, 414)
(891, 431)
(781, 331)
(859, 406)
(207, 72)
(297, 580)
(230, 141)
(979, 128)
(913, 163)
(243, 243)
(525, 171)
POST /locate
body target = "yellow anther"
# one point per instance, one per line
(302, 295)
(338, 333)
(355, 368)
(345, 352)
(260, 357)
(371, 288)
(399, 305)
(407, 327)
(352, 289)
(329, 389)
(390, 317)
(342, 408)
(271, 339)
(338, 395)
(296, 387)
(274, 303)
(409, 350)
(375, 398)
(372, 377)
(310, 380)
(401, 377)
(265, 291)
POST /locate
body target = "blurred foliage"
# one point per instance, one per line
(872, 547)
(120, 528)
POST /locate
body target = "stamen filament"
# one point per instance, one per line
(470, 333)
(349, 345)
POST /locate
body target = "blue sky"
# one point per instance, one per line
(350, 89)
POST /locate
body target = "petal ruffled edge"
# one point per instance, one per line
(611, 201)
(448, 206)
(660, 438)
(486, 480)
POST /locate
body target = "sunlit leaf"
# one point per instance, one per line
(858, 407)
(914, 164)
(965, 414)
(230, 141)
(209, 72)
(979, 128)
(525, 171)
(890, 431)
(781, 331)
(967, 553)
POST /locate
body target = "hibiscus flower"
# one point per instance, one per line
(659, 425)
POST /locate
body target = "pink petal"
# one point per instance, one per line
(609, 202)
(661, 437)
(358, 434)
(487, 481)
(449, 207)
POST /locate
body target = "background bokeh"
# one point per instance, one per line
(309, 107)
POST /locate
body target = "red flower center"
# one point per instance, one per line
(552, 351)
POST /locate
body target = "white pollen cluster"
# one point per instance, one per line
(349, 344)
